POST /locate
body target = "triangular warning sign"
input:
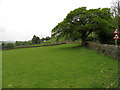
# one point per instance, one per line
(116, 31)
(116, 36)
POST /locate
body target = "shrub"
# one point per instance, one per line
(105, 36)
(8, 46)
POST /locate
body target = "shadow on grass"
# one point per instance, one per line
(79, 46)
(72, 47)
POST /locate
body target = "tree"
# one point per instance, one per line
(80, 23)
(35, 40)
(115, 8)
(47, 38)
(18, 43)
(42, 39)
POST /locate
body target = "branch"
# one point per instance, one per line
(89, 33)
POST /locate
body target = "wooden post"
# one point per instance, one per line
(116, 49)
(116, 43)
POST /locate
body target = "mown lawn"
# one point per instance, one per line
(61, 66)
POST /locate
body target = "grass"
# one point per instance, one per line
(54, 39)
(62, 66)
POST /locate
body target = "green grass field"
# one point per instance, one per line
(61, 66)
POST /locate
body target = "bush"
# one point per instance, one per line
(105, 36)
(8, 46)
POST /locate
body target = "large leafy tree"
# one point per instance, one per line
(62, 30)
(80, 23)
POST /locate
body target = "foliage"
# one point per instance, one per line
(46, 39)
(105, 36)
(8, 45)
(21, 43)
(35, 40)
(43, 39)
(80, 23)
(90, 38)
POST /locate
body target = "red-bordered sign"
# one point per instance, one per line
(116, 31)
(116, 37)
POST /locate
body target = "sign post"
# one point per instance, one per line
(116, 43)
(116, 37)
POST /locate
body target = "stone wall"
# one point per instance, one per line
(110, 50)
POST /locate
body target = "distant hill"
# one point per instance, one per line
(7, 41)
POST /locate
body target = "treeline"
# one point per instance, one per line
(35, 40)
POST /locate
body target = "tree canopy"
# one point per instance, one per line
(80, 22)
(35, 40)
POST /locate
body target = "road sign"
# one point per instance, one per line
(116, 31)
(116, 37)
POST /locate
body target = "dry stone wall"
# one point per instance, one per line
(110, 50)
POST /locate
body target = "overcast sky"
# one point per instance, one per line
(21, 19)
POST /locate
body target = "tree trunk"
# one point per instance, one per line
(83, 42)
